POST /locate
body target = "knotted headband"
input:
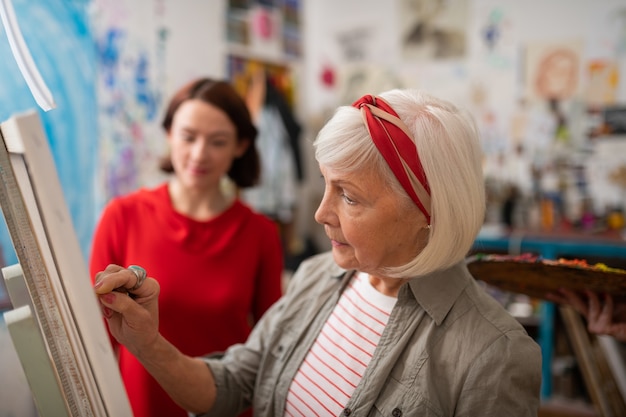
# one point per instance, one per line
(393, 140)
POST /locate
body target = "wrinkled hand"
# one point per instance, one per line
(606, 317)
(132, 317)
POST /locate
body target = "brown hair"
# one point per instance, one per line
(245, 170)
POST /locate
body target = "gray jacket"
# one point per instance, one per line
(449, 349)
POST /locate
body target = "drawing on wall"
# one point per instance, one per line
(265, 30)
(603, 80)
(354, 43)
(268, 27)
(433, 29)
(553, 70)
(496, 35)
(487, 120)
(130, 80)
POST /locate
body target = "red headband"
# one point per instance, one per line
(393, 140)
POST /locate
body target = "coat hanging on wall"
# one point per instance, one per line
(275, 99)
(278, 144)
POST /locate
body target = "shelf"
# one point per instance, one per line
(552, 245)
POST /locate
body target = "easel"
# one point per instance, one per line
(56, 322)
(601, 378)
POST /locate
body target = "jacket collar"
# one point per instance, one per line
(437, 292)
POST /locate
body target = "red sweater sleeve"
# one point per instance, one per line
(108, 243)
(269, 277)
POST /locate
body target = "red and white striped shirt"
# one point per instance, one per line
(337, 360)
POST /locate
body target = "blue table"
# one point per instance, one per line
(552, 246)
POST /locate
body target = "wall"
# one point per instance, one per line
(357, 47)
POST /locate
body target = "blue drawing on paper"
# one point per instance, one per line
(58, 36)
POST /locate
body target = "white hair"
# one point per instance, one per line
(449, 150)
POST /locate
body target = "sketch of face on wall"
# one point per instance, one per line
(557, 75)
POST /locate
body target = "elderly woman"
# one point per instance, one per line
(390, 322)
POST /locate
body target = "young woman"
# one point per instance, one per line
(218, 262)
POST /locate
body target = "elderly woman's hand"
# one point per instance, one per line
(130, 306)
(606, 317)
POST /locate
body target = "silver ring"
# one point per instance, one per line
(141, 275)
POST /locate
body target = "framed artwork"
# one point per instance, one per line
(266, 28)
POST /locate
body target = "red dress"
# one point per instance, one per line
(216, 277)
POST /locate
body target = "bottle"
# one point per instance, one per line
(547, 214)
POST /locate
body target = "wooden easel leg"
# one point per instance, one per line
(593, 364)
(31, 347)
